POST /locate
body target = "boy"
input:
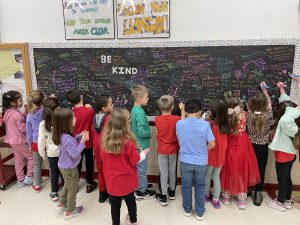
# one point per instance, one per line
(167, 148)
(84, 122)
(140, 127)
(195, 139)
(103, 105)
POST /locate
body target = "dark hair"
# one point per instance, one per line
(50, 104)
(193, 106)
(280, 112)
(73, 96)
(219, 115)
(259, 103)
(62, 124)
(8, 98)
(233, 119)
(100, 102)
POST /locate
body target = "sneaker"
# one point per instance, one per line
(150, 186)
(146, 195)
(225, 200)
(288, 204)
(207, 197)
(103, 196)
(186, 213)
(162, 199)
(54, 196)
(91, 187)
(28, 180)
(127, 220)
(20, 184)
(36, 188)
(240, 203)
(200, 218)
(257, 198)
(216, 204)
(60, 206)
(276, 205)
(76, 212)
(171, 194)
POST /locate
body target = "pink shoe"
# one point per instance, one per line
(207, 197)
(225, 200)
(216, 204)
(36, 188)
(276, 205)
(76, 212)
(127, 220)
(241, 204)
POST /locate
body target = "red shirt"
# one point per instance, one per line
(97, 139)
(84, 122)
(167, 142)
(120, 170)
(216, 156)
(282, 157)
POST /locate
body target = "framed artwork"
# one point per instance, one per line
(143, 18)
(14, 70)
(88, 19)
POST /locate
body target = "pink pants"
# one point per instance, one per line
(21, 152)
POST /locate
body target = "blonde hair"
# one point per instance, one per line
(117, 132)
(166, 103)
(35, 100)
(232, 103)
(258, 104)
(138, 91)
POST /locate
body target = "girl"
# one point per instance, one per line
(259, 120)
(70, 149)
(240, 169)
(16, 136)
(33, 120)
(119, 165)
(285, 144)
(218, 119)
(46, 145)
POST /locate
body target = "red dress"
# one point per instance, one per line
(240, 169)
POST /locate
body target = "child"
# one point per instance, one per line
(16, 136)
(47, 147)
(84, 122)
(167, 149)
(33, 120)
(218, 119)
(285, 144)
(103, 105)
(195, 139)
(119, 165)
(70, 149)
(140, 128)
(240, 168)
(259, 121)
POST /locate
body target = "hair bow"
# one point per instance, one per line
(236, 110)
(257, 112)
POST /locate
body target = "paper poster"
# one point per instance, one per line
(89, 19)
(143, 18)
(11, 73)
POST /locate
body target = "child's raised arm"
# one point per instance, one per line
(263, 87)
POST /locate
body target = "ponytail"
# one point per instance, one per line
(8, 98)
(259, 122)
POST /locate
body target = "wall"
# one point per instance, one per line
(42, 21)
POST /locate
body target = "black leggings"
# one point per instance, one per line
(54, 173)
(89, 165)
(283, 171)
(261, 152)
(116, 206)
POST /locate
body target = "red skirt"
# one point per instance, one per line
(240, 169)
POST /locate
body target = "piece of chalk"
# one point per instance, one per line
(294, 75)
(264, 86)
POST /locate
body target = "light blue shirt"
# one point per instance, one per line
(193, 135)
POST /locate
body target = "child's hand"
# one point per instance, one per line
(146, 151)
(263, 86)
(181, 106)
(87, 106)
(280, 85)
(85, 136)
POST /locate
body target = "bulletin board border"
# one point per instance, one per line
(149, 44)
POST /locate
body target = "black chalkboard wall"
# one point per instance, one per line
(184, 72)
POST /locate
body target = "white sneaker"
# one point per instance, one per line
(186, 214)
(274, 204)
(288, 204)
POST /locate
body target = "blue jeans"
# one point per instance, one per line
(193, 175)
(142, 174)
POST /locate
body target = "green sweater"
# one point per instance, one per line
(140, 126)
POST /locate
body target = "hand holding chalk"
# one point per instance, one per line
(280, 85)
(181, 106)
(263, 85)
(294, 75)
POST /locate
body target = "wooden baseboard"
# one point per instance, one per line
(154, 179)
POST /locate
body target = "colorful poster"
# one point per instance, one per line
(143, 18)
(11, 73)
(89, 19)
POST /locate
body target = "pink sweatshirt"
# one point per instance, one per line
(15, 127)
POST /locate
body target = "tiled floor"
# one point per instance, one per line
(25, 207)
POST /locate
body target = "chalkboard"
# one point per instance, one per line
(183, 72)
